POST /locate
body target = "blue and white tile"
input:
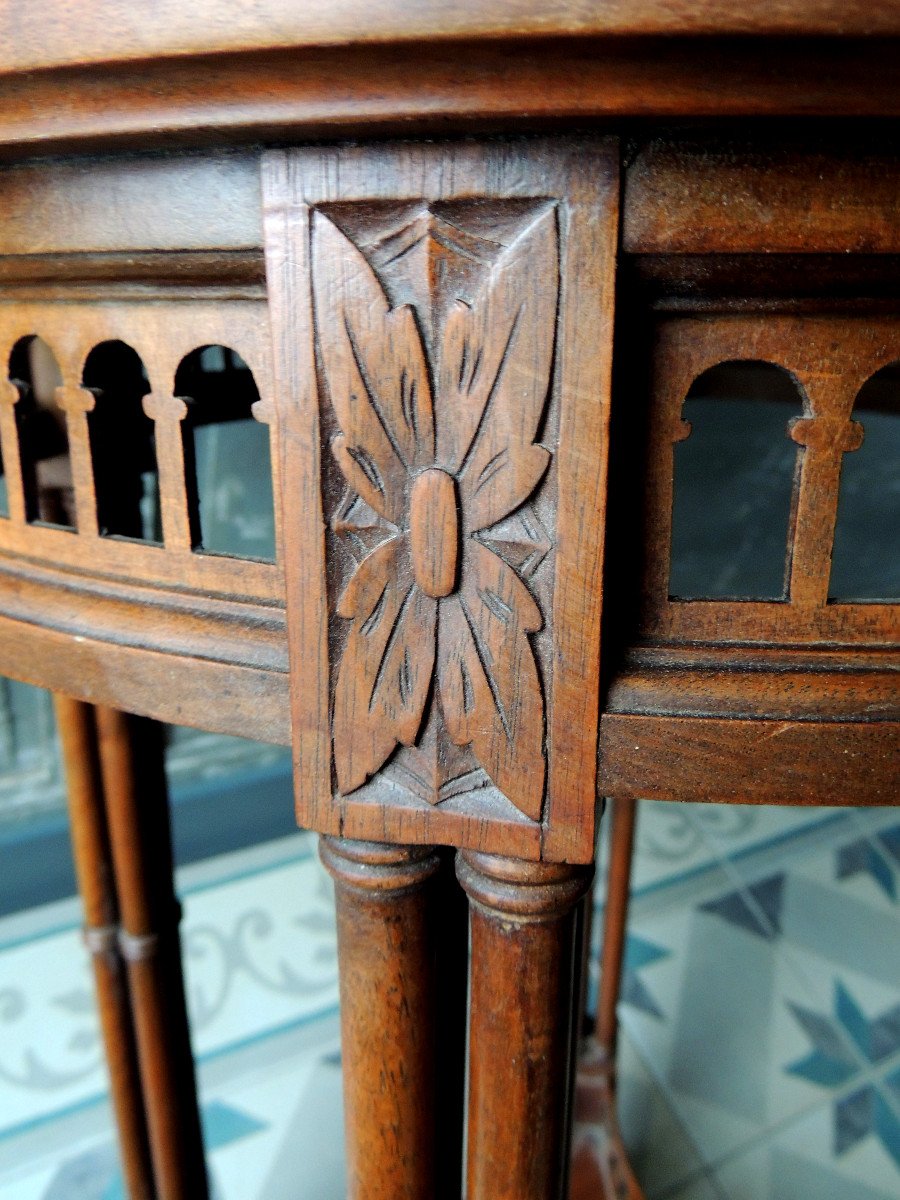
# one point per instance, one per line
(799, 1163)
(660, 1149)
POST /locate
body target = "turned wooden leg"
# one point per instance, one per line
(615, 919)
(600, 1167)
(96, 884)
(137, 814)
(389, 919)
(523, 982)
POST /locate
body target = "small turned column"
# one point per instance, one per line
(388, 919)
(523, 981)
(137, 813)
(96, 885)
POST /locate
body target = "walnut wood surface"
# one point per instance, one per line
(523, 985)
(403, 1139)
(830, 358)
(435, 604)
(750, 762)
(439, 88)
(49, 32)
(806, 193)
(137, 816)
(450, 334)
(97, 889)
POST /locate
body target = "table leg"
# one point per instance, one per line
(96, 885)
(137, 814)
(389, 920)
(600, 1167)
(523, 981)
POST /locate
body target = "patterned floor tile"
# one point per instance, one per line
(659, 1148)
(738, 830)
(728, 993)
(799, 1163)
(701, 1187)
(669, 845)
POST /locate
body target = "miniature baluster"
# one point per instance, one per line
(76, 403)
(180, 523)
(12, 452)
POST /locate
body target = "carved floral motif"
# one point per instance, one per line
(437, 446)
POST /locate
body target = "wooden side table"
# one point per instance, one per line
(465, 270)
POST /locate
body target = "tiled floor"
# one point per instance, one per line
(761, 1007)
(761, 1017)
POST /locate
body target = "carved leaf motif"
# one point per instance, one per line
(493, 361)
(387, 664)
(374, 366)
(489, 686)
(494, 376)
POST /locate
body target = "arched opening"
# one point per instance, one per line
(123, 450)
(43, 434)
(733, 485)
(865, 563)
(228, 465)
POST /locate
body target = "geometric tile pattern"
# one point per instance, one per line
(844, 1046)
(760, 1019)
(869, 857)
(761, 1048)
(640, 953)
(756, 908)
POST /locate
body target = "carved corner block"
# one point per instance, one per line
(442, 325)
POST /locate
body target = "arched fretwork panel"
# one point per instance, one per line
(733, 482)
(228, 462)
(123, 450)
(36, 457)
(865, 561)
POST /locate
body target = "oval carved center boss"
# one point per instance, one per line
(434, 532)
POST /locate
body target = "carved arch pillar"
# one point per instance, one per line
(11, 451)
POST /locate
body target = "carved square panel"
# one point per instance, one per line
(442, 324)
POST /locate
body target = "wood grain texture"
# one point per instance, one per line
(391, 969)
(444, 295)
(750, 762)
(437, 88)
(147, 628)
(187, 202)
(830, 358)
(764, 195)
(50, 32)
(522, 993)
(137, 816)
(97, 889)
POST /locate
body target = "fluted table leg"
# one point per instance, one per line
(389, 920)
(137, 814)
(523, 979)
(96, 885)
